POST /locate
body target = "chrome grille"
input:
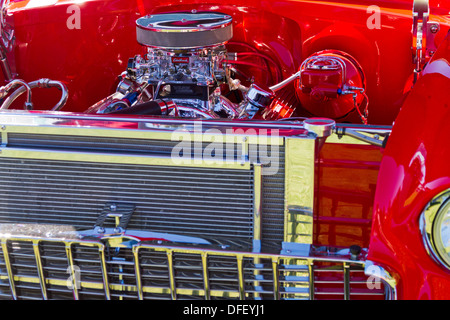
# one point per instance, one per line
(41, 269)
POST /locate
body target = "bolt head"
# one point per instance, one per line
(434, 28)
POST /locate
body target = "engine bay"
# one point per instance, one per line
(188, 72)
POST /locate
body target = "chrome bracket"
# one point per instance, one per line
(298, 249)
(421, 13)
(433, 28)
(121, 212)
(423, 32)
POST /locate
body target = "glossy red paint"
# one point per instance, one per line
(90, 59)
(415, 169)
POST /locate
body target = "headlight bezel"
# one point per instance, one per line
(430, 224)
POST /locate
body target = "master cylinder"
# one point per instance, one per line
(331, 85)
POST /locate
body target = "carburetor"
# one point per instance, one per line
(198, 66)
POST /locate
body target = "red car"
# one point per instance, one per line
(240, 150)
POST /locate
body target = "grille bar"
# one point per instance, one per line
(74, 269)
(7, 263)
(39, 267)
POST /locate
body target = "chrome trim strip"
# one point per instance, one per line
(152, 128)
(191, 134)
(118, 158)
(257, 215)
(66, 120)
(12, 117)
(257, 207)
(299, 190)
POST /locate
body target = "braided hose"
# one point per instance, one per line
(41, 83)
(24, 87)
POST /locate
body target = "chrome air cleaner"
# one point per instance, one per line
(184, 30)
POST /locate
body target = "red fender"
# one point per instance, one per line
(414, 169)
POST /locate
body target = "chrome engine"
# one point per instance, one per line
(182, 72)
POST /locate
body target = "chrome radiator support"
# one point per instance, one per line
(260, 190)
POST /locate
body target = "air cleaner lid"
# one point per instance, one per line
(184, 30)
